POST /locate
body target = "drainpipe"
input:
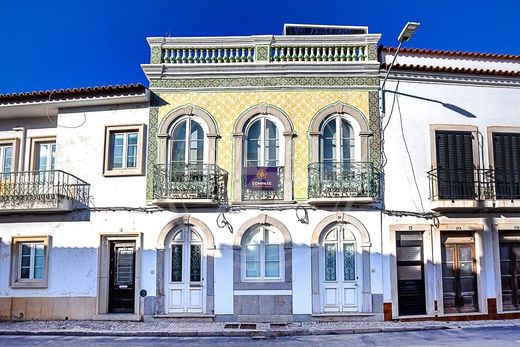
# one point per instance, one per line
(21, 152)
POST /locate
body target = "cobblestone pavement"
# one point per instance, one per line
(164, 327)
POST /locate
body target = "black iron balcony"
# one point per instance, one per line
(461, 184)
(189, 184)
(507, 184)
(348, 181)
(250, 193)
(42, 191)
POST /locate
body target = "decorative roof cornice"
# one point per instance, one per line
(63, 94)
(446, 53)
(454, 70)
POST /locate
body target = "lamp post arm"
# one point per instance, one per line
(391, 65)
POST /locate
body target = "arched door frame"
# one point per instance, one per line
(323, 226)
(209, 243)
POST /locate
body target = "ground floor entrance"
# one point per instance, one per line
(122, 274)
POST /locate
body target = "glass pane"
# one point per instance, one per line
(253, 144)
(43, 157)
(347, 141)
(252, 253)
(272, 269)
(331, 235)
(466, 269)
(26, 249)
(347, 235)
(195, 263)
(176, 263)
(255, 237)
(271, 144)
(38, 273)
(26, 260)
(131, 151)
(132, 138)
(124, 269)
(409, 272)
(409, 253)
(329, 141)
(7, 158)
(24, 273)
(117, 150)
(330, 262)
(196, 143)
(252, 269)
(349, 261)
(53, 156)
(465, 253)
(273, 236)
(272, 252)
(447, 255)
(178, 151)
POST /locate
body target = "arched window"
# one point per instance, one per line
(187, 142)
(263, 142)
(263, 257)
(337, 140)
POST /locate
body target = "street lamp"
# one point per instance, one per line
(405, 35)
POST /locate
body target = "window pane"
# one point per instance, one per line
(7, 158)
(26, 260)
(329, 141)
(253, 144)
(24, 273)
(272, 269)
(53, 156)
(132, 139)
(195, 263)
(252, 269)
(253, 253)
(43, 157)
(176, 263)
(349, 261)
(178, 151)
(330, 262)
(131, 150)
(117, 150)
(38, 273)
(272, 252)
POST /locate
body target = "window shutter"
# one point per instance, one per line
(455, 164)
(507, 165)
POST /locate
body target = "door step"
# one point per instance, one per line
(187, 317)
(347, 316)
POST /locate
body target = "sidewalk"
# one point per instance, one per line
(162, 327)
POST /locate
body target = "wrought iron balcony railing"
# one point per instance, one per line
(461, 184)
(249, 194)
(27, 186)
(343, 180)
(507, 184)
(189, 181)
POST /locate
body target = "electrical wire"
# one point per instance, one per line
(56, 123)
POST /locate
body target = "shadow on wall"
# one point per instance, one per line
(74, 216)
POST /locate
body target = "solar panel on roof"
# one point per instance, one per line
(302, 29)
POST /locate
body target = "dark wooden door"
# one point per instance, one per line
(121, 296)
(510, 275)
(410, 273)
(459, 278)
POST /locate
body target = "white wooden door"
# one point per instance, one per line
(339, 271)
(186, 289)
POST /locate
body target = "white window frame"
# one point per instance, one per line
(110, 132)
(339, 139)
(32, 256)
(281, 142)
(262, 278)
(3, 148)
(188, 119)
(16, 280)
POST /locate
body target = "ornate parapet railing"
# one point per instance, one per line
(189, 182)
(53, 190)
(340, 180)
(263, 49)
(249, 194)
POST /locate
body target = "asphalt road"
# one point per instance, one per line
(482, 337)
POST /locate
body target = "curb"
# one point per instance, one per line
(220, 333)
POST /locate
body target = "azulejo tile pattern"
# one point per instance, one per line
(225, 107)
(201, 83)
(152, 155)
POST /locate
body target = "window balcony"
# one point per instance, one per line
(52, 191)
(462, 188)
(332, 183)
(475, 188)
(189, 185)
(264, 194)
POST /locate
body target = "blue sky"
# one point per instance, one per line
(66, 44)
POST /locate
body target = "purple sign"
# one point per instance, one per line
(262, 178)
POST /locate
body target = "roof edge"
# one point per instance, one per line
(447, 53)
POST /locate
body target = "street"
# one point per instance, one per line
(484, 337)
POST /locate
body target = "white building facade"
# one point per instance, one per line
(247, 183)
(451, 132)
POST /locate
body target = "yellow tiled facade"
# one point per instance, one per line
(300, 106)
